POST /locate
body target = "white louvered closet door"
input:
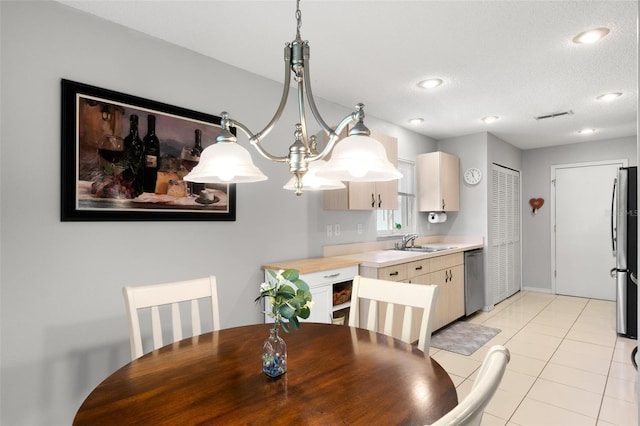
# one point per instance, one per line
(504, 233)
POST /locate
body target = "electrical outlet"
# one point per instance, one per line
(359, 229)
(329, 231)
(336, 230)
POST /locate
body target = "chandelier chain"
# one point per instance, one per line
(298, 18)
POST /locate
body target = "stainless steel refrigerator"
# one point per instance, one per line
(624, 233)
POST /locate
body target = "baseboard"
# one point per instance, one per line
(538, 289)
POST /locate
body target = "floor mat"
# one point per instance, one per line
(463, 338)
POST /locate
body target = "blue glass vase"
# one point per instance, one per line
(274, 355)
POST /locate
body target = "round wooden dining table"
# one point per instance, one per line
(337, 375)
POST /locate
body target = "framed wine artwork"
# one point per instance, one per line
(124, 158)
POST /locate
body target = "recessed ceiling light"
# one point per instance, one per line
(490, 119)
(586, 131)
(430, 83)
(609, 96)
(416, 121)
(591, 36)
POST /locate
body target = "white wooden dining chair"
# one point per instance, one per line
(395, 295)
(469, 411)
(153, 297)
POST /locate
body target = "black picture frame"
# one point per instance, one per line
(95, 123)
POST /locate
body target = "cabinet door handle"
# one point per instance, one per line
(379, 201)
(443, 204)
(373, 200)
(393, 274)
(332, 275)
(419, 268)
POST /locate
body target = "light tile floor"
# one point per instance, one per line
(568, 366)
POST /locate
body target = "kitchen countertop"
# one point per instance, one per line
(305, 266)
(376, 254)
(389, 257)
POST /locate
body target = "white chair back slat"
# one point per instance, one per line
(215, 310)
(388, 319)
(372, 319)
(176, 322)
(397, 295)
(156, 326)
(195, 318)
(406, 323)
(140, 298)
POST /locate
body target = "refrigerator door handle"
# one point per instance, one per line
(613, 216)
(621, 302)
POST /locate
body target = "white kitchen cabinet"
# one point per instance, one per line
(322, 285)
(367, 195)
(438, 177)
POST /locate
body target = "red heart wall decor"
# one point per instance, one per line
(536, 203)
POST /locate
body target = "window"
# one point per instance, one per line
(402, 220)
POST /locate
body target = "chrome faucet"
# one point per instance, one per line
(408, 238)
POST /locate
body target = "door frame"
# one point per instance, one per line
(552, 204)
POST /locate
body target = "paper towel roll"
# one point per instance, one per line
(435, 217)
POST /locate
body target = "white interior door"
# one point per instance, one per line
(583, 255)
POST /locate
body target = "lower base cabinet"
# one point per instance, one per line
(327, 286)
(447, 272)
(449, 277)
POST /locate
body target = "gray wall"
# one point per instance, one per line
(536, 168)
(63, 328)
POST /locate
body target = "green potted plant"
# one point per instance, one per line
(290, 299)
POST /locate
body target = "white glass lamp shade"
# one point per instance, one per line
(312, 182)
(225, 162)
(359, 158)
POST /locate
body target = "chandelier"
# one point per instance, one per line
(356, 158)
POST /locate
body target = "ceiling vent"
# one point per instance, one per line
(554, 115)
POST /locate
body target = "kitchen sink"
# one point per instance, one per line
(426, 249)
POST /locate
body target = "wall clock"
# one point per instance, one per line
(472, 176)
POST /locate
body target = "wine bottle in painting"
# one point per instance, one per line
(151, 155)
(189, 158)
(133, 153)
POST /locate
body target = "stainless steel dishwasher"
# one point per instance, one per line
(473, 281)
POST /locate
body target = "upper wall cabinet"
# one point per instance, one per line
(438, 175)
(367, 195)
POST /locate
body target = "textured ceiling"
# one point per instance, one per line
(514, 59)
